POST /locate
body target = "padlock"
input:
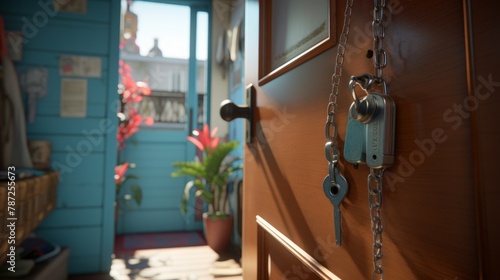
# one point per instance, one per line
(370, 127)
(380, 133)
(354, 145)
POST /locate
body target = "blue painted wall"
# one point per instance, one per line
(83, 219)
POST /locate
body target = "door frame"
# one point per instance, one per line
(191, 99)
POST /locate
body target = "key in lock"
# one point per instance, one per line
(370, 130)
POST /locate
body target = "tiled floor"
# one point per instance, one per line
(187, 263)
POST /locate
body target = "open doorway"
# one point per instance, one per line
(165, 46)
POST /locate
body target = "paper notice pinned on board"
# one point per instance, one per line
(83, 66)
(73, 98)
(72, 6)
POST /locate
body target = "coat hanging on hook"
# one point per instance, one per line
(14, 145)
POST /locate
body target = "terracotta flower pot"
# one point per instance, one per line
(218, 231)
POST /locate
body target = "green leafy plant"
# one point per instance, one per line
(210, 172)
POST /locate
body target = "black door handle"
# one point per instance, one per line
(230, 111)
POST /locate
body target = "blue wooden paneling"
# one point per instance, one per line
(84, 265)
(83, 241)
(96, 10)
(83, 219)
(75, 217)
(140, 219)
(160, 198)
(160, 169)
(59, 143)
(59, 35)
(75, 126)
(152, 135)
(161, 180)
(158, 183)
(163, 153)
(86, 195)
(153, 152)
(88, 170)
(162, 220)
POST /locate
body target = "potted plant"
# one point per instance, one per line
(211, 172)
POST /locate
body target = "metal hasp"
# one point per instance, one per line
(230, 111)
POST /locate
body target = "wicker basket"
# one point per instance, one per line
(35, 197)
(24, 208)
(3, 216)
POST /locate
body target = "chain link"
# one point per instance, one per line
(376, 176)
(375, 179)
(331, 123)
(379, 54)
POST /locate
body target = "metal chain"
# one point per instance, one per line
(379, 54)
(331, 123)
(375, 179)
(376, 176)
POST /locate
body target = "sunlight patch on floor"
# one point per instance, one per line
(186, 263)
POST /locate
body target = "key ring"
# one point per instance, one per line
(332, 156)
(365, 81)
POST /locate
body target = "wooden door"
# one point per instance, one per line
(438, 212)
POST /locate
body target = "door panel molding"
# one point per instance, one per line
(266, 230)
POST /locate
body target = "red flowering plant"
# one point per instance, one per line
(211, 171)
(205, 140)
(121, 177)
(131, 93)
